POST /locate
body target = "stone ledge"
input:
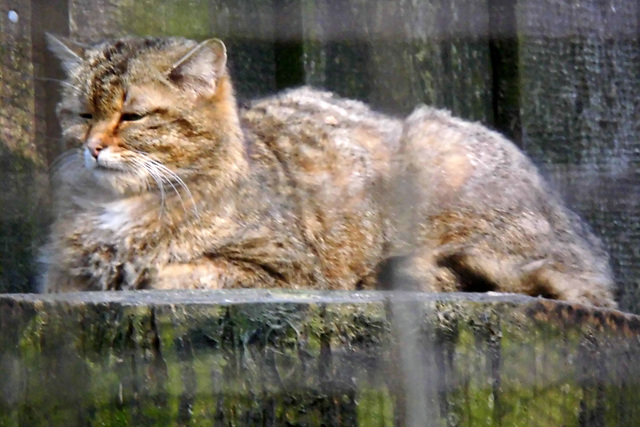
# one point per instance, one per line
(274, 357)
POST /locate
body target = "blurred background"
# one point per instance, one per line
(561, 78)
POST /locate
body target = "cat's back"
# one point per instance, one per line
(334, 153)
(469, 191)
(332, 157)
(319, 132)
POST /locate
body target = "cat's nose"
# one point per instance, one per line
(95, 145)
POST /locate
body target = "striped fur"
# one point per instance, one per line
(168, 185)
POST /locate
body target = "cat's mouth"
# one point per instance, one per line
(114, 173)
(127, 172)
(104, 162)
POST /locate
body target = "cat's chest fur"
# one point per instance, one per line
(115, 245)
(117, 219)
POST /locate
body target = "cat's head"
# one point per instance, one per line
(145, 110)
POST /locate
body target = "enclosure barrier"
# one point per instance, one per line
(258, 357)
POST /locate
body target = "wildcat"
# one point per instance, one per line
(170, 185)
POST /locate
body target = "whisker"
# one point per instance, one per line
(64, 158)
(158, 174)
(184, 186)
(54, 137)
(160, 183)
(158, 180)
(170, 176)
(166, 171)
(62, 82)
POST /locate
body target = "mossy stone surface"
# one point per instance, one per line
(257, 357)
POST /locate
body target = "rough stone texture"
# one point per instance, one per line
(398, 54)
(21, 162)
(580, 104)
(255, 357)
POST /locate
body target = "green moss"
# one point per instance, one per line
(155, 17)
(375, 408)
(311, 363)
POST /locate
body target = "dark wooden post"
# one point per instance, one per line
(398, 54)
(21, 158)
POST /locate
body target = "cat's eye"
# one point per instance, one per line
(131, 117)
(86, 116)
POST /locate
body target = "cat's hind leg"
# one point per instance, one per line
(419, 270)
(473, 269)
(454, 267)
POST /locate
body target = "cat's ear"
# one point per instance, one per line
(69, 54)
(200, 69)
